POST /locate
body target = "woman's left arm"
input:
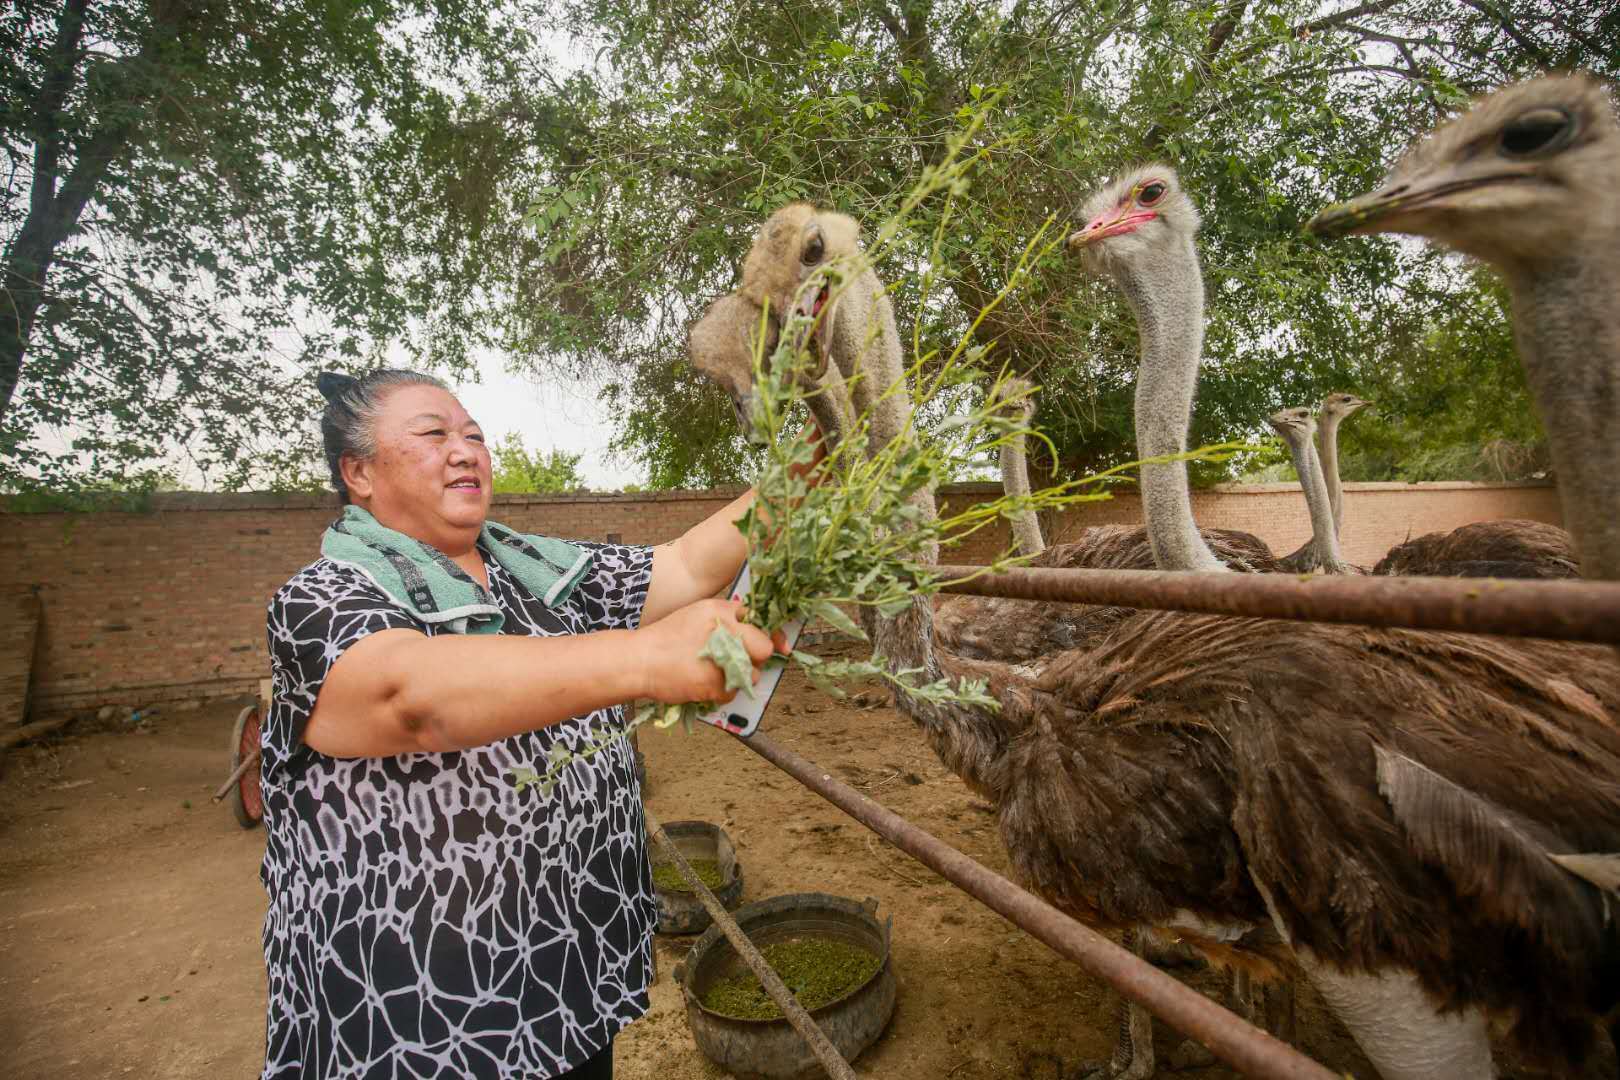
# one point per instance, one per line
(698, 563)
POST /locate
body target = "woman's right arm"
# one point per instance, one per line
(399, 691)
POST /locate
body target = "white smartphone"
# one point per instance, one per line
(742, 715)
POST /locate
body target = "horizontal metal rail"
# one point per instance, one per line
(1561, 610)
(1228, 1036)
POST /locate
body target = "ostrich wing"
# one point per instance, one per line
(1601, 870)
(1495, 857)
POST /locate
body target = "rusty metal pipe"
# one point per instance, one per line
(1229, 1037)
(240, 771)
(1561, 610)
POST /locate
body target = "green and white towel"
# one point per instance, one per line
(425, 580)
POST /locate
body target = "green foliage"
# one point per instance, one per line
(519, 472)
(702, 118)
(206, 201)
(857, 537)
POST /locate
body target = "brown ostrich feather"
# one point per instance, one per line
(1508, 549)
(1022, 631)
(1159, 771)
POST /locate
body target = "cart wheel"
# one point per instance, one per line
(245, 798)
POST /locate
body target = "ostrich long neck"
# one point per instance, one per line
(1026, 529)
(1323, 537)
(1567, 324)
(1328, 427)
(1167, 293)
(968, 741)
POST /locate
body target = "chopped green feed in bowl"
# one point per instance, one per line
(667, 876)
(819, 971)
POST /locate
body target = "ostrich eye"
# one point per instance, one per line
(814, 249)
(1537, 132)
(1152, 193)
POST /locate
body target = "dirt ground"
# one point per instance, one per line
(130, 908)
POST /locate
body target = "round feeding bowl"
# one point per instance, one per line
(771, 1048)
(679, 909)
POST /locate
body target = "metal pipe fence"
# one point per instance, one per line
(1227, 1035)
(1562, 610)
(1558, 610)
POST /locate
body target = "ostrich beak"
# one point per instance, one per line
(743, 403)
(1401, 205)
(812, 304)
(1116, 222)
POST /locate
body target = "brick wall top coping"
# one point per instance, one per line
(182, 501)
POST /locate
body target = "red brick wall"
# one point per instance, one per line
(169, 604)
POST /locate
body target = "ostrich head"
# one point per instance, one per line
(1516, 178)
(1017, 395)
(781, 270)
(1135, 215)
(721, 347)
(1525, 180)
(1296, 422)
(1340, 404)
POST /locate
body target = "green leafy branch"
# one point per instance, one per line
(860, 536)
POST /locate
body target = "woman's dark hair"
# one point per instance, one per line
(349, 424)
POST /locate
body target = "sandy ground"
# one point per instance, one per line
(130, 908)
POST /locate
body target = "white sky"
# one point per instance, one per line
(548, 416)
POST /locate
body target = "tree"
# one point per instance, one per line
(652, 173)
(200, 209)
(209, 198)
(518, 472)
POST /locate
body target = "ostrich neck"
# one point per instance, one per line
(1567, 324)
(1026, 529)
(1323, 538)
(968, 741)
(1329, 438)
(1167, 293)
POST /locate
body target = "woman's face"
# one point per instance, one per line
(430, 478)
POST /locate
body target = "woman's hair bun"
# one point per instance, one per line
(333, 385)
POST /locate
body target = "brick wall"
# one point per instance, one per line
(168, 604)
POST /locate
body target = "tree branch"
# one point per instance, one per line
(1510, 30)
(1219, 35)
(53, 94)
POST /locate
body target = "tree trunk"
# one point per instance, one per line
(53, 212)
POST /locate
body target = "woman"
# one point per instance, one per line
(425, 917)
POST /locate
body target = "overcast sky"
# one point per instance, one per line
(548, 416)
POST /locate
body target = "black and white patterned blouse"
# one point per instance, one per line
(425, 918)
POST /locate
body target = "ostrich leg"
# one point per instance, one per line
(1133, 1048)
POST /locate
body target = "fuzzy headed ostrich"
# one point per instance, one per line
(1525, 182)
(1297, 427)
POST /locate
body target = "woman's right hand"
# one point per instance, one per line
(674, 673)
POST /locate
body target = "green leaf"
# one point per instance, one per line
(727, 651)
(832, 614)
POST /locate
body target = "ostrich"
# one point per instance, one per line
(1336, 408)
(1346, 799)
(1524, 182)
(1337, 737)
(1297, 426)
(1508, 548)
